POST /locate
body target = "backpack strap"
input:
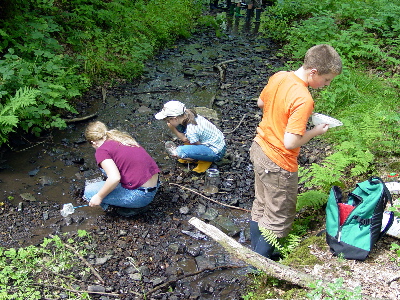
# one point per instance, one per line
(386, 193)
(389, 223)
(386, 196)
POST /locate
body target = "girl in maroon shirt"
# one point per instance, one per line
(132, 174)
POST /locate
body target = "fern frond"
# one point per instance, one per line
(271, 238)
(24, 97)
(9, 111)
(313, 199)
(287, 244)
(291, 242)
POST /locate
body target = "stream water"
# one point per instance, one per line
(49, 172)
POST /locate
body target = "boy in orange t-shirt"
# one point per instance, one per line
(287, 105)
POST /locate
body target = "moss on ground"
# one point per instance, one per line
(302, 256)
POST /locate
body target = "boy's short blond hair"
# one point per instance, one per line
(324, 59)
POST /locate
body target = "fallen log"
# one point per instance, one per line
(270, 267)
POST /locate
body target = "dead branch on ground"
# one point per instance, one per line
(83, 260)
(80, 119)
(197, 193)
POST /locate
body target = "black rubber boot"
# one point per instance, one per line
(258, 14)
(255, 234)
(264, 248)
(249, 12)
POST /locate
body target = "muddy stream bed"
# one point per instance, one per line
(224, 75)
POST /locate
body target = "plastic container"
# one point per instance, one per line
(323, 119)
(170, 147)
(211, 182)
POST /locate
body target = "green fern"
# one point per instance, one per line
(287, 244)
(350, 159)
(24, 97)
(314, 199)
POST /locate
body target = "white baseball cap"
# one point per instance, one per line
(172, 108)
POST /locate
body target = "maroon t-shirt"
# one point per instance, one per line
(135, 165)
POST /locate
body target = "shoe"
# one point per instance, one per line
(171, 148)
(184, 161)
(202, 166)
(130, 212)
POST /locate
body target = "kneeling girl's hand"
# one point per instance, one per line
(95, 201)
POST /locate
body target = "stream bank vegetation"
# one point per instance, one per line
(52, 51)
(364, 97)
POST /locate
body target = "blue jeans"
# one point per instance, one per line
(199, 152)
(120, 196)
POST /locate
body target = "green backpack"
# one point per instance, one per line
(355, 225)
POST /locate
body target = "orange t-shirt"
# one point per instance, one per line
(287, 107)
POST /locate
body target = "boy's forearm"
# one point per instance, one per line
(293, 141)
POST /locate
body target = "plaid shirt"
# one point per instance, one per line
(206, 133)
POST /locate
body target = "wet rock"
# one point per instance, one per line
(193, 250)
(28, 197)
(131, 270)
(186, 266)
(68, 220)
(136, 276)
(46, 180)
(144, 270)
(33, 172)
(77, 218)
(210, 214)
(96, 288)
(144, 109)
(195, 235)
(226, 225)
(184, 210)
(157, 281)
(201, 209)
(205, 262)
(177, 248)
(78, 160)
(102, 260)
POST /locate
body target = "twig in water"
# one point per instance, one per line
(241, 120)
(80, 119)
(235, 207)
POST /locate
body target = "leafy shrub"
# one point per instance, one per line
(23, 270)
(61, 48)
